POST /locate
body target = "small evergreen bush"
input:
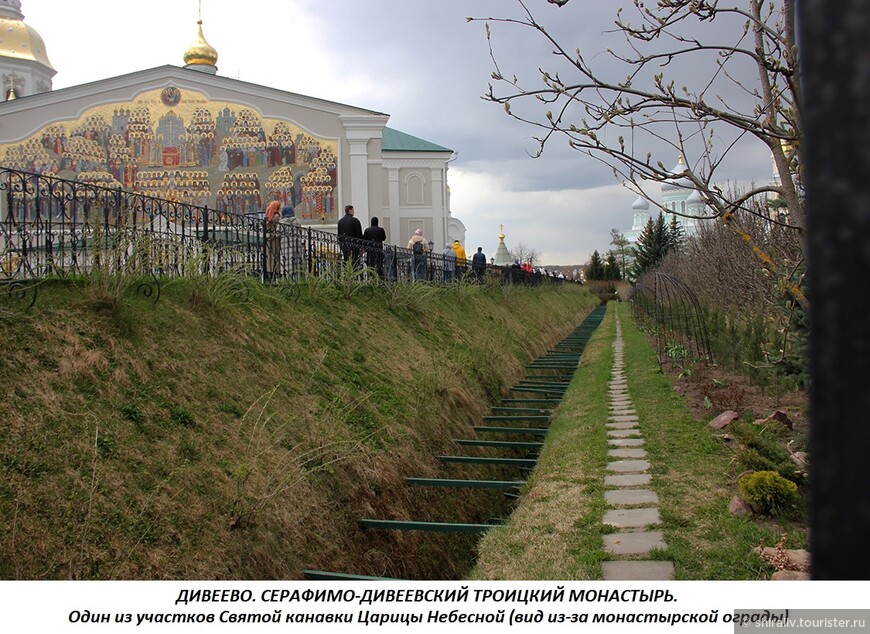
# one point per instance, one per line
(767, 492)
(762, 449)
(753, 460)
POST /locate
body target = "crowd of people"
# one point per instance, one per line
(453, 264)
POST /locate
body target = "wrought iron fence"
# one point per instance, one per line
(56, 227)
(670, 311)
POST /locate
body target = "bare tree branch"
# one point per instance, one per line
(615, 119)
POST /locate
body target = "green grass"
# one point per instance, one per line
(695, 477)
(556, 530)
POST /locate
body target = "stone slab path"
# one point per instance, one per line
(631, 508)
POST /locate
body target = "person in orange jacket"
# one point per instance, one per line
(273, 240)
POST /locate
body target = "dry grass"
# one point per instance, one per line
(180, 440)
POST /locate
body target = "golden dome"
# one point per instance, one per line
(19, 41)
(200, 51)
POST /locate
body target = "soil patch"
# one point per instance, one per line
(711, 390)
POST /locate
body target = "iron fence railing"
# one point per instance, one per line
(56, 227)
(670, 311)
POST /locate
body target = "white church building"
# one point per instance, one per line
(680, 201)
(189, 134)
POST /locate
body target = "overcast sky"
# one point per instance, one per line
(419, 61)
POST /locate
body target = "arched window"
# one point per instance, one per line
(414, 185)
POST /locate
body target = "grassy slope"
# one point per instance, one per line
(556, 532)
(202, 438)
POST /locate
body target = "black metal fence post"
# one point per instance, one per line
(835, 68)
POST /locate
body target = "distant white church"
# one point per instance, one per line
(678, 197)
(191, 135)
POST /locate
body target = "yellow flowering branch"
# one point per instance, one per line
(791, 287)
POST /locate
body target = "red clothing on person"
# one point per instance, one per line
(273, 212)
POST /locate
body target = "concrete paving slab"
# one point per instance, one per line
(625, 442)
(627, 480)
(622, 433)
(630, 497)
(623, 418)
(632, 518)
(621, 425)
(627, 452)
(639, 543)
(637, 570)
(628, 466)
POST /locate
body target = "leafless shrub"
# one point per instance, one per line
(727, 270)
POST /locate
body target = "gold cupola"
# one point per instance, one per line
(20, 41)
(22, 53)
(502, 255)
(201, 55)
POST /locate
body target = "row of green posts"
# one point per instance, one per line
(519, 422)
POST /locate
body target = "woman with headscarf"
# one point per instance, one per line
(419, 248)
(449, 262)
(272, 239)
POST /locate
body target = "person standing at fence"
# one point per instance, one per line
(419, 248)
(375, 252)
(516, 272)
(349, 231)
(478, 263)
(291, 235)
(461, 260)
(449, 262)
(272, 240)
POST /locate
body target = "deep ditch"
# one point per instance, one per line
(502, 452)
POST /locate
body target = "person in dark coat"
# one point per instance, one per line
(349, 231)
(478, 263)
(375, 252)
